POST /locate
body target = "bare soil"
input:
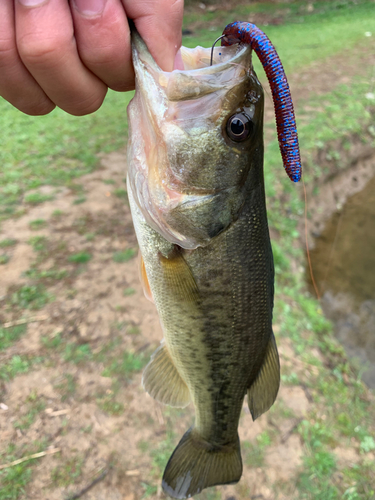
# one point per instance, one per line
(90, 307)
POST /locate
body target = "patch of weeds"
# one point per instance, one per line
(79, 200)
(68, 472)
(66, 387)
(125, 366)
(56, 214)
(7, 242)
(121, 193)
(107, 402)
(34, 405)
(129, 291)
(39, 243)
(10, 335)
(37, 224)
(290, 379)
(53, 342)
(17, 365)
(367, 444)
(4, 259)
(149, 490)
(80, 258)
(30, 297)
(36, 198)
(133, 330)
(161, 453)
(47, 275)
(77, 353)
(254, 452)
(90, 236)
(13, 480)
(109, 181)
(124, 256)
(319, 464)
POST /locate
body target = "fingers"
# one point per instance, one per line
(16, 83)
(103, 40)
(159, 23)
(47, 48)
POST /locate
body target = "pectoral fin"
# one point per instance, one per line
(178, 275)
(162, 380)
(144, 279)
(263, 391)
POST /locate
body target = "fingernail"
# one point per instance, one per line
(90, 7)
(32, 3)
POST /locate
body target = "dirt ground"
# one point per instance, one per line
(90, 307)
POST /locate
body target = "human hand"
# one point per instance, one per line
(67, 53)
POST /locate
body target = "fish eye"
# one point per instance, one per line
(239, 127)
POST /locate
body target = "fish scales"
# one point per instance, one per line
(196, 193)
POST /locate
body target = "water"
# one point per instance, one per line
(343, 261)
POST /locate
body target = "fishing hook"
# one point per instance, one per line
(212, 49)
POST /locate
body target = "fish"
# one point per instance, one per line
(196, 192)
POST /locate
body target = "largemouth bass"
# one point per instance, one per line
(196, 191)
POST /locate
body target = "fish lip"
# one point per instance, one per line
(140, 52)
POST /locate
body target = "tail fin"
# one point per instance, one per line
(196, 464)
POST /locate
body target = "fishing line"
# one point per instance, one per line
(307, 245)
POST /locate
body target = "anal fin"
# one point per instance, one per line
(262, 393)
(163, 382)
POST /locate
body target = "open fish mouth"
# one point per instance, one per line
(178, 149)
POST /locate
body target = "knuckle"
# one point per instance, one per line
(87, 105)
(39, 51)
(7, 51)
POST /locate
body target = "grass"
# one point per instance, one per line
(10, 335)
(30, 297)
(8, 242)
(34, 405)
(124, 366)
(80, 257)
(124, 256)
(13, 480)
(4, 259)
(254, 451)
(37, 224)
(54, 149)
(17, 365)
(68, 472)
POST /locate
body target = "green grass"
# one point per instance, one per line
(124, 366)
(80, 258)
(322, 33)
(68, 472)
(66, 387)
(39, 243)
(8, 242)
(34, 405)
(17, 365)
(129, 291)
(37, 224)
(121, 193)
(77, 353)
(30, 297)
(37, 198)
(124, 256)
(13, 480)
(4, 259)
(10, 335)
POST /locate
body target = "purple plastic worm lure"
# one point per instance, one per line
(241, 32)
